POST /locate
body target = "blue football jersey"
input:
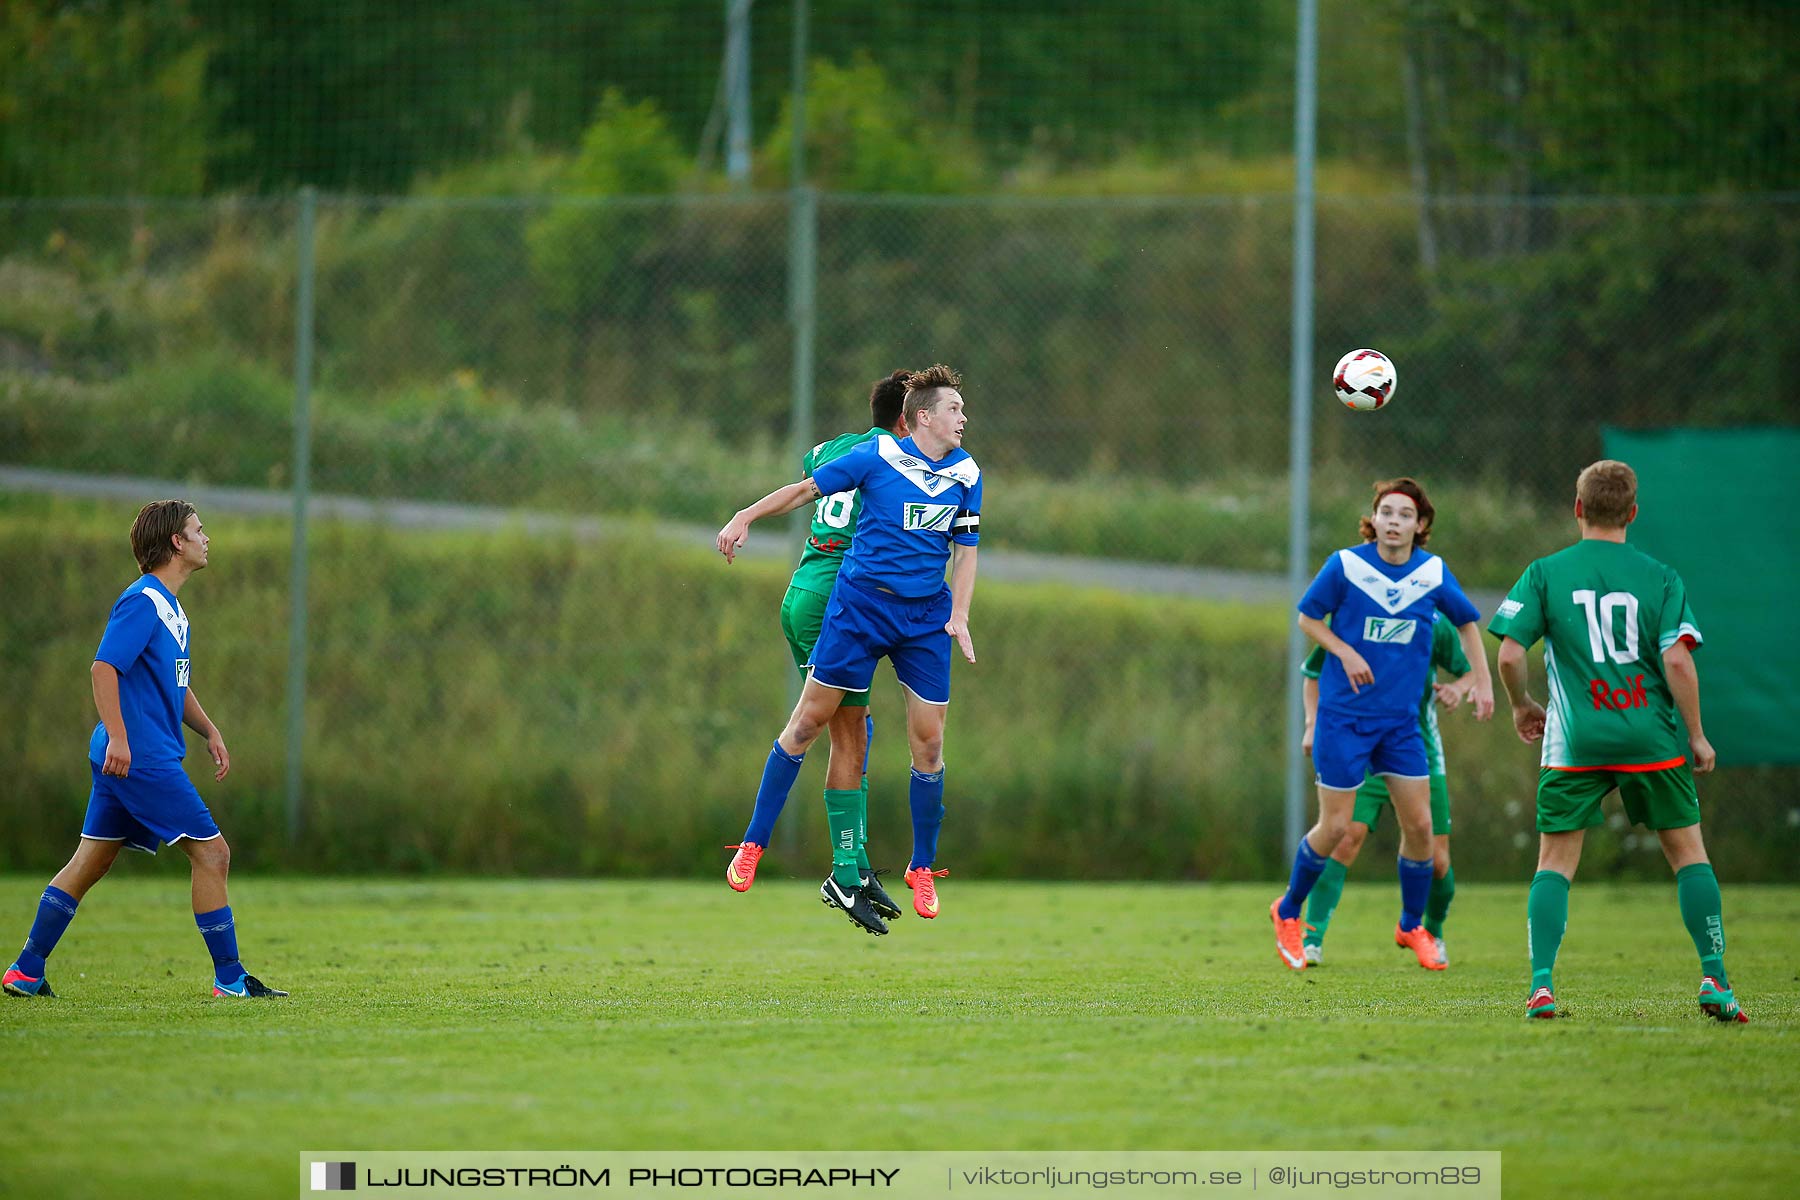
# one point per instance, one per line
(1385, 612)
(913, 507)
(146, 641)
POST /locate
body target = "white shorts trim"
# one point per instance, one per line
(813, 675)
(191, 838)
(944, 703)
(1397, 775)
(129, 845)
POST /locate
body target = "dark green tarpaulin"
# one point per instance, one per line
(1722, 506)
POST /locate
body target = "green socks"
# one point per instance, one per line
(1322, 901)
(843, 811)
(1701, 911)
(1696, 887)
(1546, 917)
(1443, 890)
(862, 827)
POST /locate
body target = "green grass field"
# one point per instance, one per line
(642, 1015)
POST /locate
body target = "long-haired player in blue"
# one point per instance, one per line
(921, 506)
(141, 796)
(1380, 599)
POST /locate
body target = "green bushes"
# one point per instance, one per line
(1142, 339)
(220, 421)
(510, 704)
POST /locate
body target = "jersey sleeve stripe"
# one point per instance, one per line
(1686, 631)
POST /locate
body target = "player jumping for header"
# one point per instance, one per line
(921, 506)
(851, 729)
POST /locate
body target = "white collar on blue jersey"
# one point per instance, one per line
(929, 477)
(1392, 594)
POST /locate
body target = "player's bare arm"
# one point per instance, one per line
(1528, 714)
(1356, 668)
(195, 718)
(1309, 698)
(1483, 692)
(962, 595)
(1684, 689)
(782, 500)
(106, 699)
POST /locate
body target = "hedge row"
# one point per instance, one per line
(512, 704)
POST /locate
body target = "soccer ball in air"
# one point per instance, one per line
(1364, 380)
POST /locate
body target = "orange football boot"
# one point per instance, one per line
(742, 871)
(923, 882)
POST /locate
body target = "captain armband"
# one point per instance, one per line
(966, 522)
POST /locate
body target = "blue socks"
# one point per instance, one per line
(926, 792)
(55, 911)
(1415, 891)
(1307, 865)
(220, 933)
(778, 778)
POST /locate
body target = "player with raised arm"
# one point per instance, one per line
(851, 728)
(1371, 606)
(1618, 652)
(921, 499)
(141, 796)
(1372, 797)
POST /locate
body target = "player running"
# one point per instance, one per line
(1372, 798)
(1618, 651)
(141, 796)
(921, 506)
(1380, 598)
(851, 728)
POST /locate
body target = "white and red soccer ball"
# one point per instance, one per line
(1364, 380)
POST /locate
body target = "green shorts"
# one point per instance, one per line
(1570, 800)
(802, 612)
(1372, 798)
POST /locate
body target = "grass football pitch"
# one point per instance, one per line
(678, 1015)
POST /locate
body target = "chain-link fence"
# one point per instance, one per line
(510, 699)
(560, 273)
(1127, 360)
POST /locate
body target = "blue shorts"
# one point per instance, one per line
(862, 626)
(150, 806)
(1346, 748)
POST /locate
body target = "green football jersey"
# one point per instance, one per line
(834, 519)
(1446, 653)
(1606, 611)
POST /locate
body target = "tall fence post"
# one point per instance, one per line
(803, 266)
(803, 251)
(1300, 402)
(737, 92)
(303, 365)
